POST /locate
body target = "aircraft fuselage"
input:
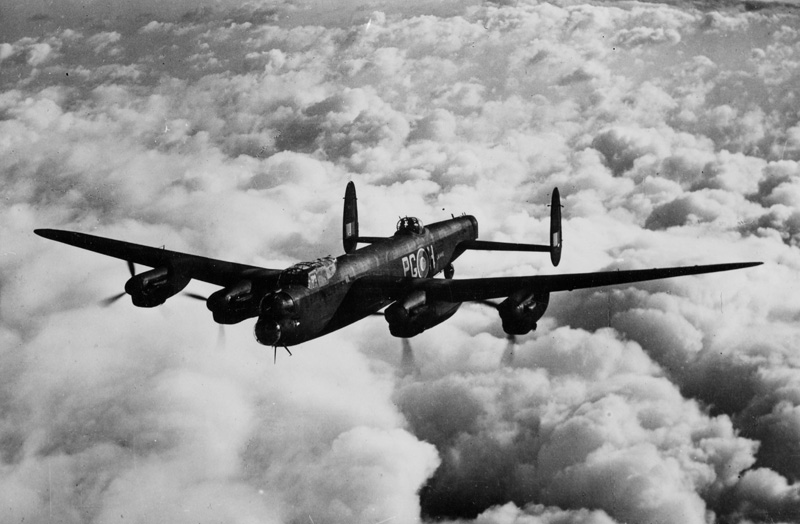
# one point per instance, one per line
(338, 303)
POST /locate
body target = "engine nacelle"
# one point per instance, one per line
(520, 311)
(270, 331)
(414, 315)
(280, 304)
(153, 288)
(233, 304)
(279, 320)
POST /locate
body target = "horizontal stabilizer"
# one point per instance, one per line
(485, 245)
(556, 238)
(371, 240)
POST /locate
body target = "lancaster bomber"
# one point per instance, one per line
(311, 299)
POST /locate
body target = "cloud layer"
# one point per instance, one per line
(229, 129)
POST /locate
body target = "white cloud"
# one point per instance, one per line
(769, 493)
(539, 514)
(101, 41)
(155, 26)
(231, 131)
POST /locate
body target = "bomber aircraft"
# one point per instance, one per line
(311, 299)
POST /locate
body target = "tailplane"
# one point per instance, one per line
(555, 237)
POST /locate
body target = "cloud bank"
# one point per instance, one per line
(229, 129)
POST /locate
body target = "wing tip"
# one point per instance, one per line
(67, 237)
(59, 235)
(742, 265)
(47, 233)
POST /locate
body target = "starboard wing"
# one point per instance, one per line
(213, 271)
(478, 289)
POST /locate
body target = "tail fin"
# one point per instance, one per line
(350, 219)
(556, 239)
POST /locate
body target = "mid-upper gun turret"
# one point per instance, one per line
(409, 226)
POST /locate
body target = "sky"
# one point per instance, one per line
(229, 129)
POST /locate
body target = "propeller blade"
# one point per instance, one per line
(507, 360)
(408, 365)
(110, 300)
(221, 331)
(275, 353)
(221, 337)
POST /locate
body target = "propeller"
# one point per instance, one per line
(221, 336)
(408, 365)
(511, 340)
(110, 300)
(507, 360)
(275, 353)
(221, 330)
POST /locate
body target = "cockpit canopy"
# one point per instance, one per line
(409, 226)
(309, 274)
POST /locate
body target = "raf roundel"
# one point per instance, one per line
(423, 264)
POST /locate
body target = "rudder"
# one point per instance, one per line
(350, 219)
(556, 238)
